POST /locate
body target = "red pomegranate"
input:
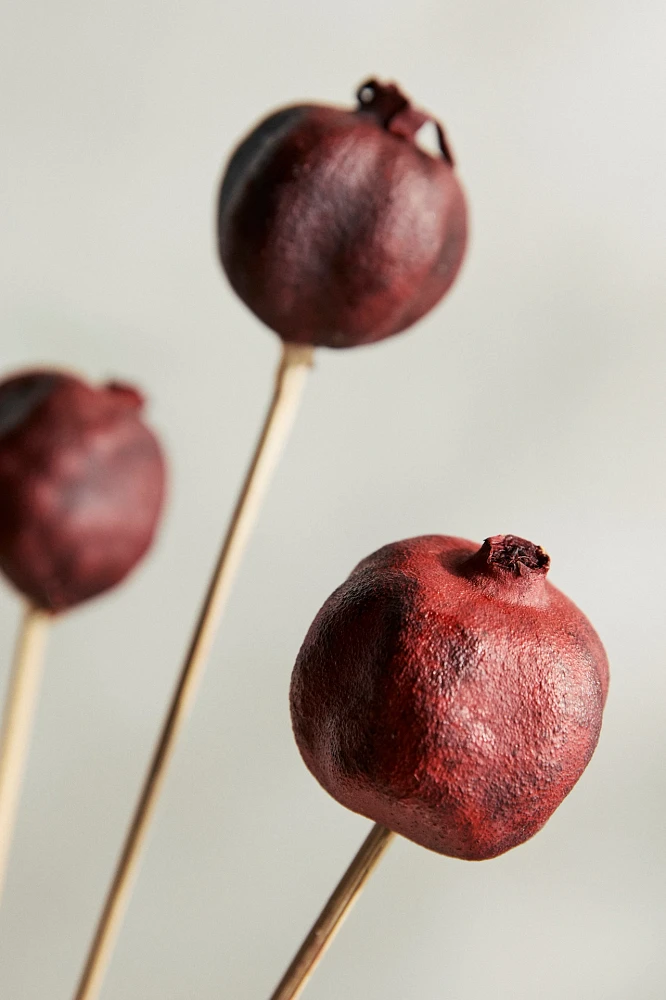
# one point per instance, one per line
(81, 486)
(335, 227)
(451, 693)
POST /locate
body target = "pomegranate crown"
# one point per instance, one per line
(394, 112)
(515, 555)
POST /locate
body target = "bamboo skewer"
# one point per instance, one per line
(331, 917)
(295, 362)
(17, 721)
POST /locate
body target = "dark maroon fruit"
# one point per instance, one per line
(450, 693)
(81, 486)
(335, 227)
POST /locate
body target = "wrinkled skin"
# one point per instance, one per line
(81, 486)
(335, 227)
(450, 693)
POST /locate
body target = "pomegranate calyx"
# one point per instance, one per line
(509, 568)
(127, 395)
(515, 555)
(395, 113)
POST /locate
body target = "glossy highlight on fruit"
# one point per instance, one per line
(81, 486)
(335, 227)
(451, 693)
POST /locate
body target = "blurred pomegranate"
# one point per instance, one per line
(81, 486)
(450, 693)
(335, 227)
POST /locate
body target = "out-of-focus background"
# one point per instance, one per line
(531, 401)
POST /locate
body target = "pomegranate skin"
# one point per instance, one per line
(82, 484)
(335, 227)
(450, 693)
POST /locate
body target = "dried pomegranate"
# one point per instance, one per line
(335, 227)
(450, 693)
(81, 486)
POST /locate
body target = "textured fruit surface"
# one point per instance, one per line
(81, 486)
(450, 693)
(335, 227)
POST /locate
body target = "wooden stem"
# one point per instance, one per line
(17, 723)
(294, 365)
(330, 919)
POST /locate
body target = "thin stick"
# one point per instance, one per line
(17, 723)
(294, 365)
(330, 919)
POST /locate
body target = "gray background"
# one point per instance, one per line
(531, 402)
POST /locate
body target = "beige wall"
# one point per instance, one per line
(531, 402)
